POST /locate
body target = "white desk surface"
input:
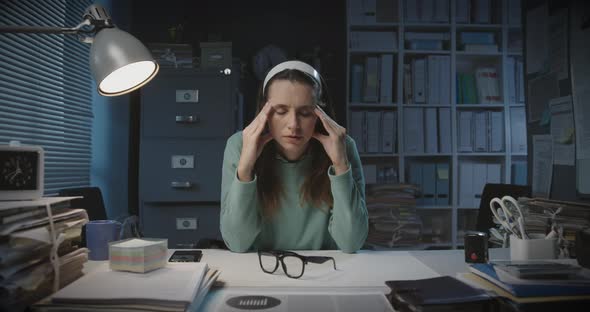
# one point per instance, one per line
(365, 271)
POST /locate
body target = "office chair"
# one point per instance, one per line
(92, 202)
(490, 190)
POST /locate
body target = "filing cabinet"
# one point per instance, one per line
(186, 117)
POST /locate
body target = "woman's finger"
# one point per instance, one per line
(327, 125)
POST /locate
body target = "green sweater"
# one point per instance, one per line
(293, 227)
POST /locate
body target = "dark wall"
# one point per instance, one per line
(295, 26)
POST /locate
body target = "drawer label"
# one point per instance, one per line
(183, 161)
(187, 96)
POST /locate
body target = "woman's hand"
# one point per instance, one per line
(334, 143)
(253, 141)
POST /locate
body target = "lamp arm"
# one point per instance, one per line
(47, 29)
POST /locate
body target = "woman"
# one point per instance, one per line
(292, 179)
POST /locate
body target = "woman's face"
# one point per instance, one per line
(292, 120)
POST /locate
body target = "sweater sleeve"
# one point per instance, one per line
(240, 218)
(349, 222)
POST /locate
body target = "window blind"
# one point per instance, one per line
(46, 89)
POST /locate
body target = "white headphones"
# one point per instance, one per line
(303, 67)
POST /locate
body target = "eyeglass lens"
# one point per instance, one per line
(293, 266)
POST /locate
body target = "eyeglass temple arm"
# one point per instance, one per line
(320, 259)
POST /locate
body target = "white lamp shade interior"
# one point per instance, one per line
(130, 76)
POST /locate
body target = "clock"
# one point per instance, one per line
(21, 172)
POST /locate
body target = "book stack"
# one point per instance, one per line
(426, 80)
(533, 285)
(175, 287)
(478, 41)
(393, 220)
(480, 87)
(26, 273)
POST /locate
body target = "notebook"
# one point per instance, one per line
(443, 293)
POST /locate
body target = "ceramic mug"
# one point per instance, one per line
(98, 235)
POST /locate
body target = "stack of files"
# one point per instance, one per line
(372, 80)
(572, 217)
(175, 287)
(26, 274)
(473, 176)
(393, 220)
(443, 293)
(426, 41)
(466, 88)
(478, 41)
(531, 293)
(426, 80)
(385, 41)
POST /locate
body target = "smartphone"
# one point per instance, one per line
(186, 256)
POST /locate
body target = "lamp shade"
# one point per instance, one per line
(120, 63)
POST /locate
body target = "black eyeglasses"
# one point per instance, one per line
(293, 264)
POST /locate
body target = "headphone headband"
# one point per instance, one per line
(298, 65)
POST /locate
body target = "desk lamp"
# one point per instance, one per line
(119, 62)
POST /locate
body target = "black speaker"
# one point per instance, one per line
(583, 247)
(476, 247)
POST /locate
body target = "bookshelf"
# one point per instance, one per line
(424, 125)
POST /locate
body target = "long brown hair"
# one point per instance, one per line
(316, 186)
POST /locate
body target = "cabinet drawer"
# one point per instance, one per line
(190, 105)
(180, 170)
(182, 224)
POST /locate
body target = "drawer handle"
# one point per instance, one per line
(181, 185)
(187, 119)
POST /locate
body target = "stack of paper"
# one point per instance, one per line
(26, 274)
(176, 287)
(138, 255)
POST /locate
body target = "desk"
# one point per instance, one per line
(363, 272)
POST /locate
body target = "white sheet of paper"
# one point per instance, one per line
(542, 165)
(562, 131)
(536, 39)
(352, 270)
(136, 242)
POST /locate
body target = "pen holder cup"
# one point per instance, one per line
(536, 247)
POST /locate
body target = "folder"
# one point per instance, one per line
(465, 184)
(386, 93)
(372, 73)
(370, 173)
(432, 67)
(356, 83)
(428, 184)
(480, 126)
(415, 177)
(442, 184)
(496, 131)
(413, 130)
(494, 173)
(510, 76)
(519, 173)
(518, 130)
(357, 129)
(444, 130)
(444, 75)
(430, 127)
(373, 132)
(389, 125)
(479, 181)
(465, 131)
(419, 80)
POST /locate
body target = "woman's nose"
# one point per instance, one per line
(293, 121)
